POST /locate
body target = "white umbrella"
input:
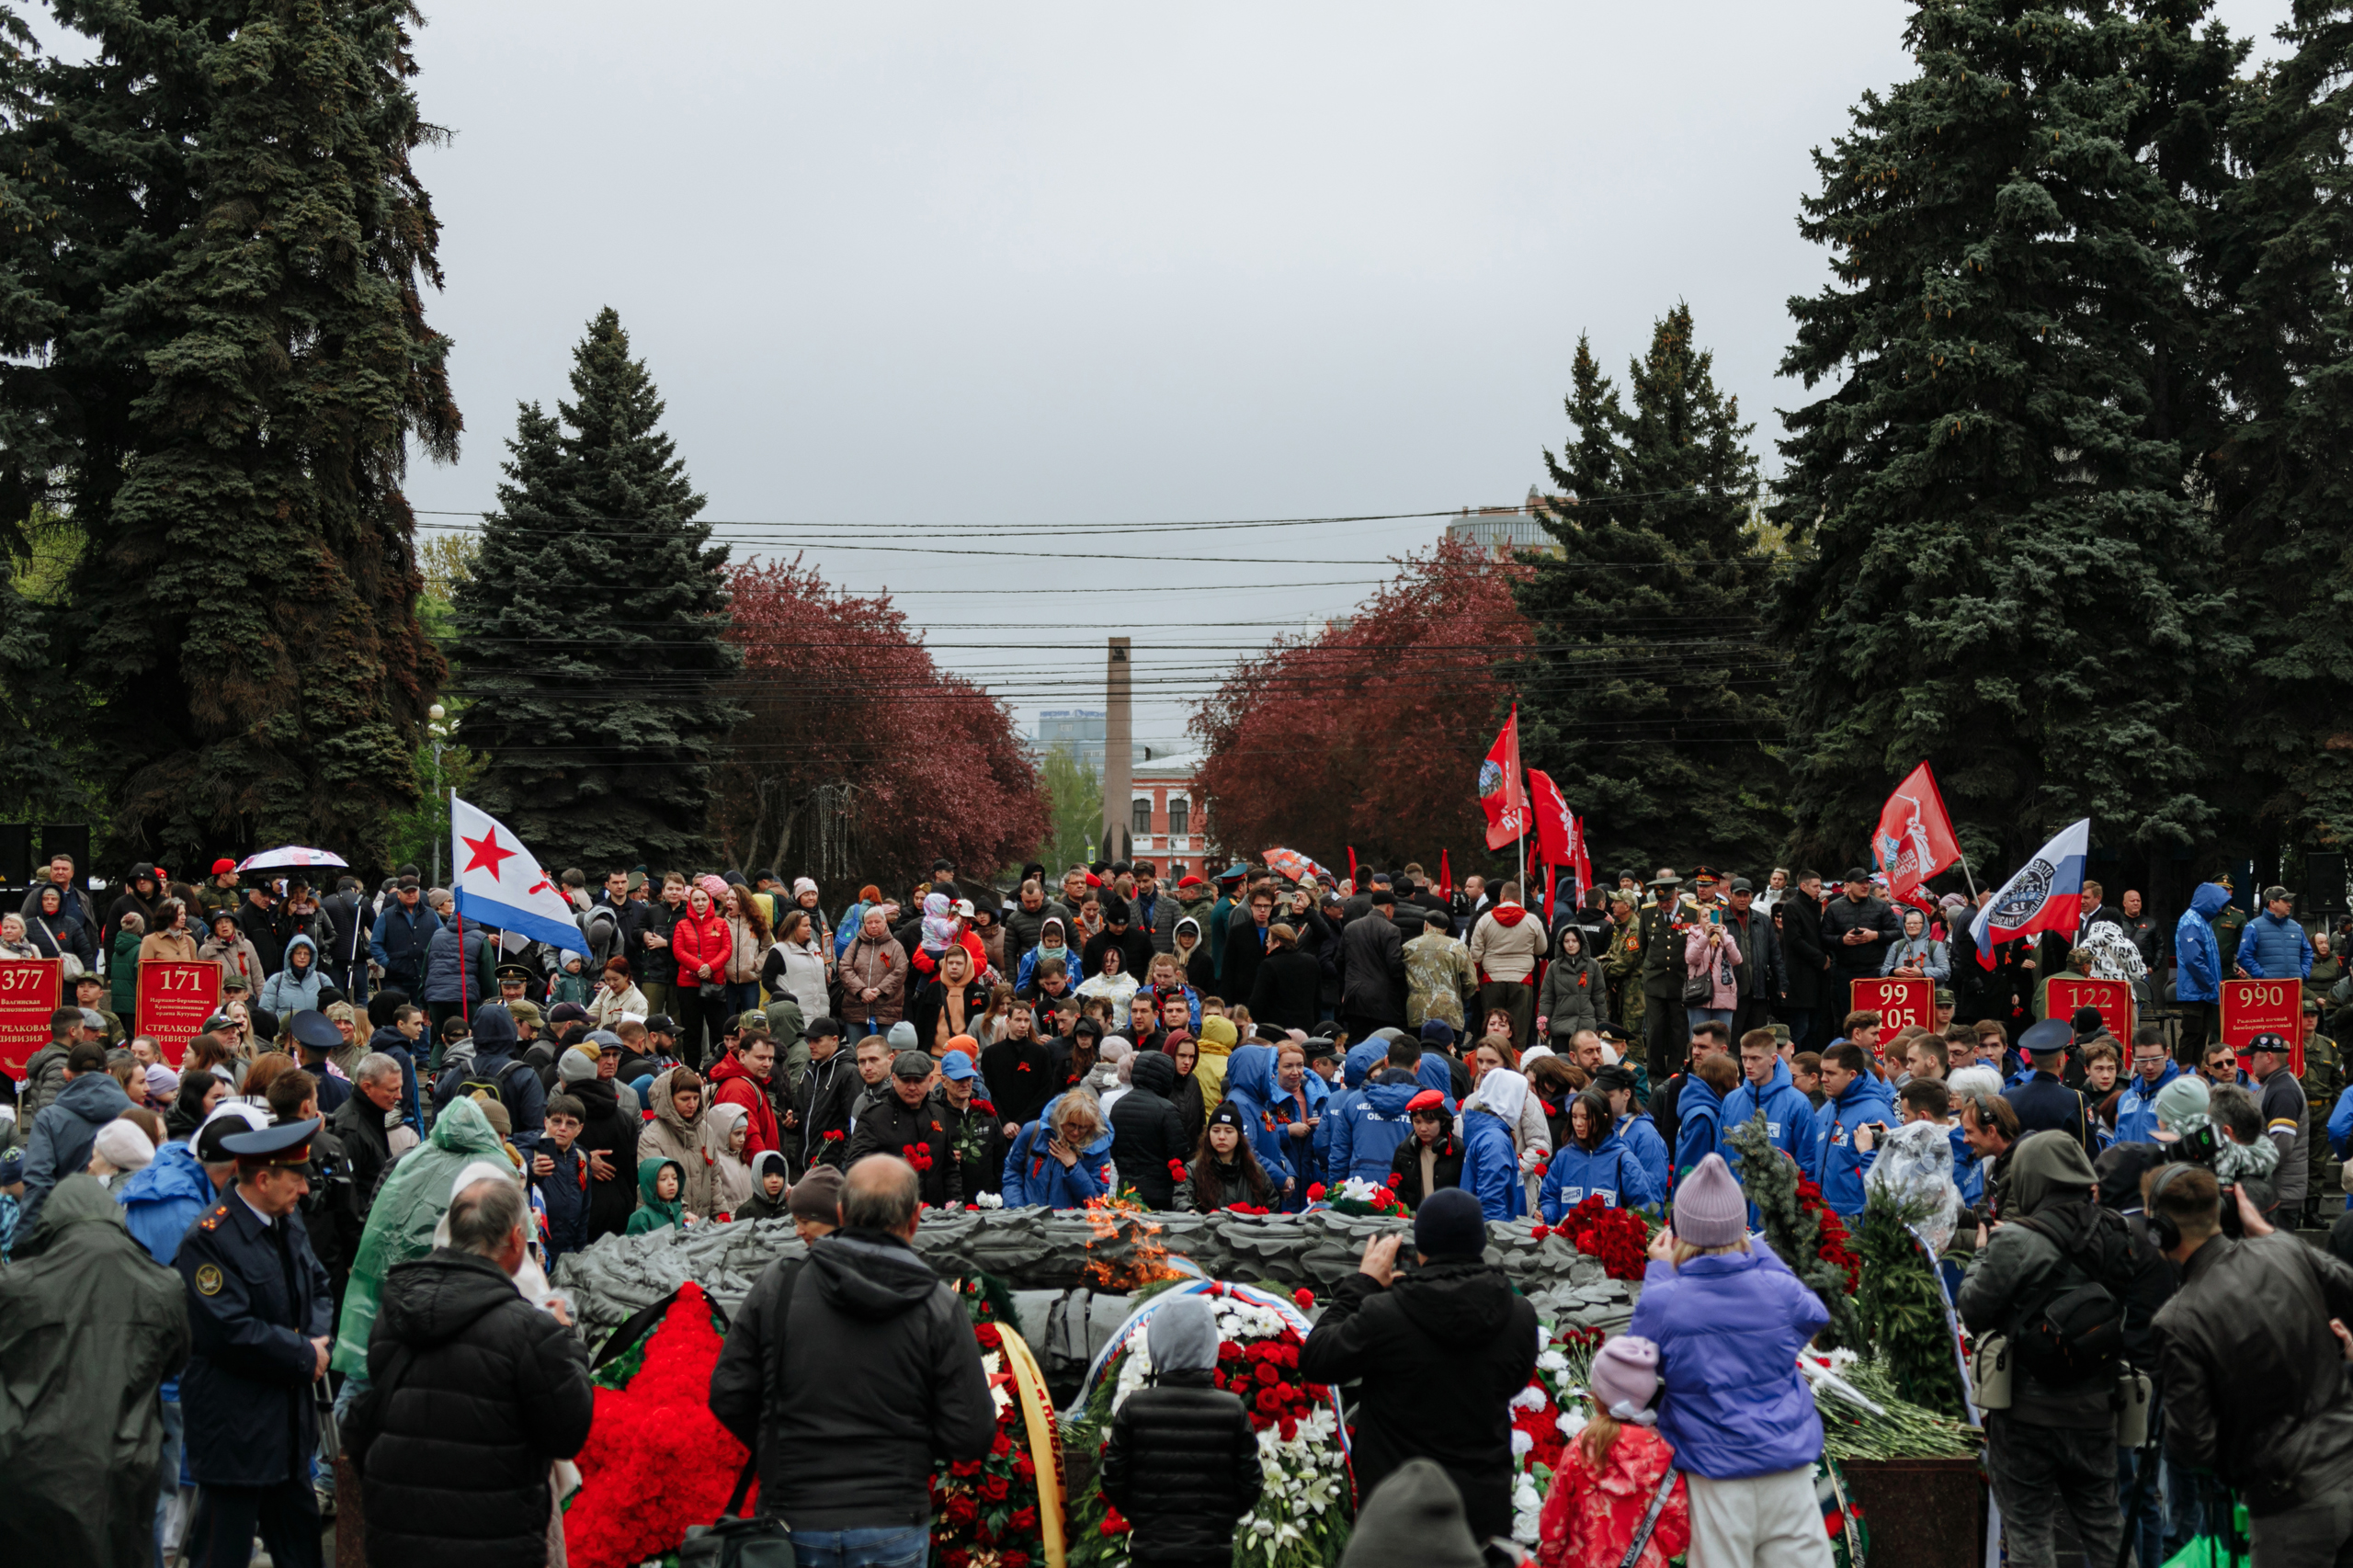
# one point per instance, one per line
(290, 855)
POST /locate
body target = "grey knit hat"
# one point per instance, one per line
(1709, 1210)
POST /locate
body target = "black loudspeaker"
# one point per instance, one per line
(2323, 884)
(15, 853)
(67, 838)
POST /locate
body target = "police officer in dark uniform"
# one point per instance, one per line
(2044, 1102)
(261, 1313)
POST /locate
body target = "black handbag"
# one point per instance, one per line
(731, 1543)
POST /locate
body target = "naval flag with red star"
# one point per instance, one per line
(500, 883)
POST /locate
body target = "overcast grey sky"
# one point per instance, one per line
(1051, 266)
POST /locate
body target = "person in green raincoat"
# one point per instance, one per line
(90, 1326)
(414, 1195)
(659, 1182)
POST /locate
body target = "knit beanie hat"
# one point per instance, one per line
(1450, 1223)
(576, 1066)
(817, 1196)
(122, 1145)
(1625, 1378)
(902, 1036)
(2177, 1101)
(1709, 1210)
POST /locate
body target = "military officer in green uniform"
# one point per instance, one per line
(2324, 1081)
(261, 1313)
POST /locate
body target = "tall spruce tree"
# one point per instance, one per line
(2003, 569)
(592, 631)
(2283, 480)
(1650, 696)
(214, 244)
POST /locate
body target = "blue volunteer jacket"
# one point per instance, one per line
(1491, 1167)
(1789, 1114)
(1838, 1166)
(1643, 1140)
(2198, 977)
(2136, 1108)
(1610, 1172)
(1699, 1125)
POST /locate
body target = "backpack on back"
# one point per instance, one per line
(2072, 1330)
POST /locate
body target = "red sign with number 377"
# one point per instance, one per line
(29, 992)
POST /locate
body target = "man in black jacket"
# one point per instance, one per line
(2251, 1372)
(359, 1125)
(881, 1373)
(1182, 1462)
(1440, 1355)
(906, 1123)
(1372, 970)
(474, 1393)
(1855, 930)
(1804, 965)
(1146, 1132)
(1134, 943)
(821, 1110)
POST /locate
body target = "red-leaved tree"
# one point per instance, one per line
(1371, 732)
(859, 757)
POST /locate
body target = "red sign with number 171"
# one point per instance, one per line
(175, 998)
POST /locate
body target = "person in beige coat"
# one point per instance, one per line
(675, 1132)
(1505, 945)
(171, 940)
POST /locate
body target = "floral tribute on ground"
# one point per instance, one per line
(1358, 1197)
(1004, 1511)
(1617, 1238)
(1302, 1517)
(656, 1461)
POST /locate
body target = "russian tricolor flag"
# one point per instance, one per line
(2047, 895)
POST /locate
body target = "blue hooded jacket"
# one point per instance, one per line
(1365, 1139)
(2198, 955)
(164, 1197)
(2274, 949)
(2136, 1108)
(1643, 1140)
(1968, 1173)
(1789, 1114)
(1035, 1179)
(1729, 1328)
(2341, 1131)
(1491, 1167)
(1250, 1089)
(1433, 1073)
(1361, 1060)
(1610, 1172)
(1837, 1166)
(1699, 1125)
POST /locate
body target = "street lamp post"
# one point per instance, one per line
(433, 717)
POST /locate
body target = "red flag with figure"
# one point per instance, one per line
(1501, 794)
(1555, 827)
(1915, 840)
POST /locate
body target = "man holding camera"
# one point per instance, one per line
(2064, 1278)
(2256, 1397)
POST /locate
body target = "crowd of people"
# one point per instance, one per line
(365, 1167)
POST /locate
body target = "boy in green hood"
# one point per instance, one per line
(659, 1182)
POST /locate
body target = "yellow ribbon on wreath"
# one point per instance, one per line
(1045, 1440)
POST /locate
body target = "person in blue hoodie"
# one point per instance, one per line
(2153, 1068)
(1355, 1067)
(1250, 1089)
(1490, 1158)
(1619, 1085)
(1061, 1159)
(1843, 1145)
(1765, 1086)
(1699, 1111)
(1595, 1162)
(1367, 1131)
(2273, 945)
(296, 987)
(2198, 974)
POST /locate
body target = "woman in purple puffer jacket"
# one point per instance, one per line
(1729, 1319)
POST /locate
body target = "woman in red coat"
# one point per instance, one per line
(700, 943)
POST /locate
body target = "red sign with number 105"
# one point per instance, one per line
(29, 992)
(174, 1001)
(1898, 1002)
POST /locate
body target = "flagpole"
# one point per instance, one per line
(458, 909)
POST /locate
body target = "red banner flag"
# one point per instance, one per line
(1555, 827)
(1352, 870)
(1579, 861)
(1915, 840)
(1501, 794)
(1444, 872)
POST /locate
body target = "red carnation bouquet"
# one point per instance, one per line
(1615, 1236)
(986, 1513)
